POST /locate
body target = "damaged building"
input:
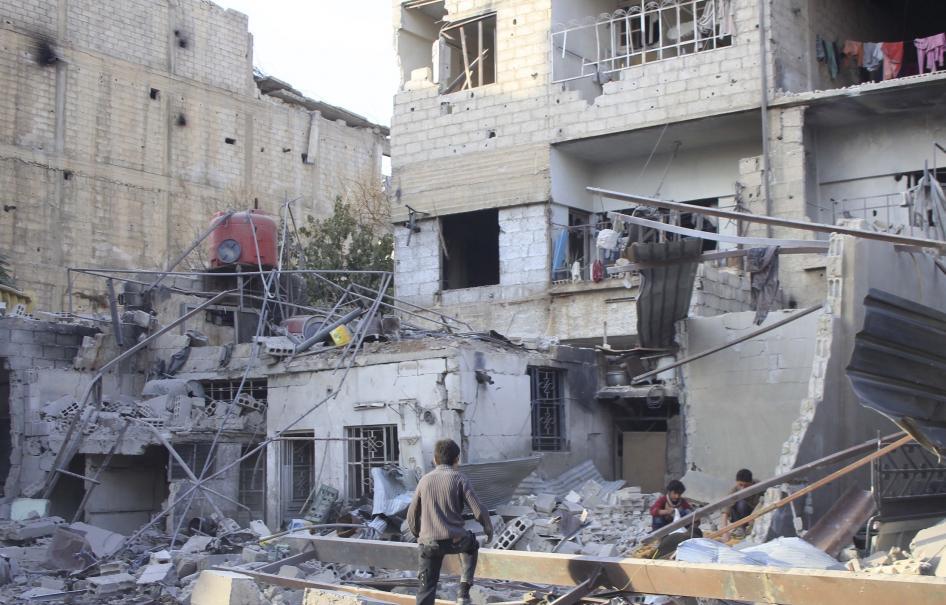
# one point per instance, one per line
(635, 241)
(127, 125)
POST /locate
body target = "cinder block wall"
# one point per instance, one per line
(117, 154)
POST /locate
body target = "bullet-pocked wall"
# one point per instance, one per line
(126, 125)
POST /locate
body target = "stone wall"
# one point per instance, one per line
(118, 154)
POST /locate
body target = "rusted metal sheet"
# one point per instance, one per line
(837, 527)
(665, 290)
(734, 582)
(898, 367)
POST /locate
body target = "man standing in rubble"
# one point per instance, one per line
(435, 517)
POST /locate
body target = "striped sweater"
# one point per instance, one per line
(436, 511)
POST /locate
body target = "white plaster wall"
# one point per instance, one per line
(741, 403)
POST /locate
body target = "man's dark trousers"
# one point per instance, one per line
(431, 558)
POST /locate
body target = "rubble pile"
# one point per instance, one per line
(596, 520)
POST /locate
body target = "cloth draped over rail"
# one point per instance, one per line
(872, 61)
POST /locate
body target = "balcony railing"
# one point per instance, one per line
(644, 32)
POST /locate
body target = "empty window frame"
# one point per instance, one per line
(369, 447)
(467, 54)
(470, 249)
(547, 386)
(194, 455)
(297, 470)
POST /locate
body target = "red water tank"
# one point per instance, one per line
(233, 243)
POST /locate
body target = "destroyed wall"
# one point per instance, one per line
(740, 404)
(126, 125)
(38, 358)
(428, 390)
(831, 417)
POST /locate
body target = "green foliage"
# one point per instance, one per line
(5, 278)
(344, 241)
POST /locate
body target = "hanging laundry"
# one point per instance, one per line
(762, 265)
(831, 58)
(873, 55)
(853, 53)
(597, 271)
(819, 49)
(893, 59)
(929, 52)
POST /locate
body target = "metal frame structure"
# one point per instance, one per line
(547, 394)
(636, 35)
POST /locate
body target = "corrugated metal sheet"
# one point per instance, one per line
(570, 480)
(666, 291)
(495, 483)
(898, 367)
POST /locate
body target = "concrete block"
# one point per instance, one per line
(26, 508)
(156, 573)
(290, 571)
(111, 584)
(196, 544)
(545, 503)
(253, 554)
(225, 588)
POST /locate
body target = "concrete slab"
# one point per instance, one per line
(102, 542)
(111, 584)
(28, 508)
(930, 544)
(156, 573)
(317, 596)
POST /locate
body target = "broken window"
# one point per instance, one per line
(467, 54)
(635, 33)
(418, 41)
(253, 481)
(297, 480)
(548, 409)
(252, 396)
(369, 447)
(470, 249)
(194, 455)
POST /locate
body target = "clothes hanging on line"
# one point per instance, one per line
(893, 59)
(853, 54)
(873, 56)
(762, 265)
(930, 51)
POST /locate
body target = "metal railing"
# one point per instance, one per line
(644, 32)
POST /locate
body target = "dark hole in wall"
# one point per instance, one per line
(230, 141)
(471, 258)
(155, 94)
(67, 175)
(68, 493)
(44, 52)
(181, 120)
(305, 158)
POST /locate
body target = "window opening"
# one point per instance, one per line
(253, 481)
(638, 32)
(369, 447)
(194, 455)
(298, 472)
(548, 409)
(468, 54)
(470, 249)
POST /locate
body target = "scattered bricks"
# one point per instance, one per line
(111, 584)
(545, 503)
(225, 588)
(513, 533)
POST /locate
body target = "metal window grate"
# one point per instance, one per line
(194, 454)
(298, 467)
(226, 390)
(548, 409)
(253, 481)
(368, 447)
(644, 31)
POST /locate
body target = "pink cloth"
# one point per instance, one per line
(893, 59)
(929, 52)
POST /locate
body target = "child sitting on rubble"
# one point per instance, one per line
(670, 506)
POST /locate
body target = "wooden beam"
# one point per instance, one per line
(300, 584)
(466, 58)
(810, 488)
(645, 576)
(761, 486)
(769, 220)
